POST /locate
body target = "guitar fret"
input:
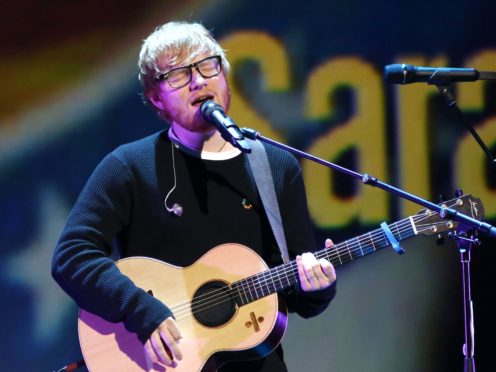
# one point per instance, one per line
(238, 294)
(266, 282)
(294, 270)
(372, 241)
(360, 246)
(364, 244)
(244, 286)
(251, 287)
(339, 256)
(274, 287)
(238, 286)
(246, 289)
(242, 292)
(286, 275)
(353, 245)
(257, 286)
(279, 277)
(260, 283)
(398, 231)
(347, 246)
(370, 248)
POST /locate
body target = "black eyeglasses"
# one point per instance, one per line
(181, 76)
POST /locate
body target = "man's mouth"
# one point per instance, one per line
(199, 100)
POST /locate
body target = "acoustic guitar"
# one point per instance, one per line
(226, 303)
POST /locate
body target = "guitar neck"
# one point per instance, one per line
(283, 276)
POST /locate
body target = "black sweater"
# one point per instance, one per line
(122, 205)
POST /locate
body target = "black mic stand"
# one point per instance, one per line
(464, 242)
(450, 100)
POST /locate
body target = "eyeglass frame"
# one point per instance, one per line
(163, 76)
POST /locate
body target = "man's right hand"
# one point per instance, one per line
(163, 344)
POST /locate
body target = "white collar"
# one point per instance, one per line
(206, 155)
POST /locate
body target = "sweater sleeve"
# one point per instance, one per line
(81, 262)
(300, 239)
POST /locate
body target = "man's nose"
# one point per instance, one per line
(197, 80)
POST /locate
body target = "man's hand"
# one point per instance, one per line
(163, 344)
(315, 275)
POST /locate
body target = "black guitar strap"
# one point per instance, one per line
(260, 168)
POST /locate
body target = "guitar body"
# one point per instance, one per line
(210, 338)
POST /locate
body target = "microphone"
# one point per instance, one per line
(215, 115)
(406, 74)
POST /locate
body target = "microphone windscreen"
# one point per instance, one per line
(399, 73)
(208, 107)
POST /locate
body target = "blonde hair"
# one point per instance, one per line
(178, 42)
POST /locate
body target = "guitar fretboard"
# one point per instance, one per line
(283, 276)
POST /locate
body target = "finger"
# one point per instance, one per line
(171, 335)
(173, 328)
(304, 283)
(310, 264)
(328, 269)
(149, 353)
(312, 269)
(321, 277)
(323, 280)
(328, 243)
(159, 349)
(171, 343)
(306, 260)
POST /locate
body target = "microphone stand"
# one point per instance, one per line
(464, 243)
(446, 213)
(450, 100)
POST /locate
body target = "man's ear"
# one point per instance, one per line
(153, 97)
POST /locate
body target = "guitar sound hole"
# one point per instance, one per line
(213, 304)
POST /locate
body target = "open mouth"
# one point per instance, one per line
(198, 101)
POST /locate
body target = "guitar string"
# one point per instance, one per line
(418, 217)
(292, 268)
(258, 283)
(260, 279)
(256, 277)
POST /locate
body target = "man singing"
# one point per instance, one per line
(175, 195)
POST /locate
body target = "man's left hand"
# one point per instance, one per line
(315, 274)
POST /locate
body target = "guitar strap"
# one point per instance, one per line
(260, 168)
